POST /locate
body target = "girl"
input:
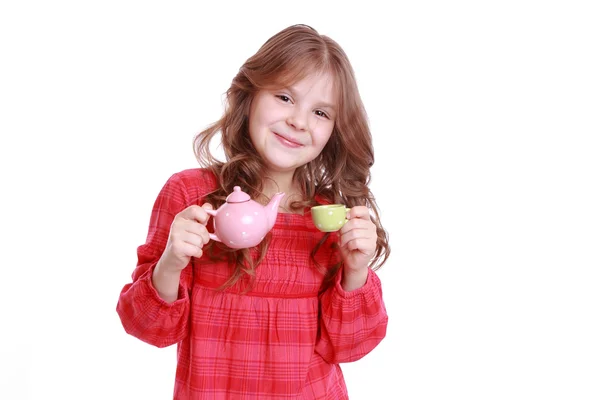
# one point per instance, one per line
(274, 321)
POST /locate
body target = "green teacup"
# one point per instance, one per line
(329, 217)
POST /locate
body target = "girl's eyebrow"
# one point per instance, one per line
(325, 105)
(319, 104)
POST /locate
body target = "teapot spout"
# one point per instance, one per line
(272, 209)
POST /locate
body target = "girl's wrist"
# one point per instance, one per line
(354, 279)
(166, 282)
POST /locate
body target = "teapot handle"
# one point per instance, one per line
(213, 236)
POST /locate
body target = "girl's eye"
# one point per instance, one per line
(283, 97)
(321, 114)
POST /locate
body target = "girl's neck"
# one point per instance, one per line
(286, 185)
(279, 183)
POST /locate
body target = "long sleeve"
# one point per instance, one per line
(352, 323)
(143, 313)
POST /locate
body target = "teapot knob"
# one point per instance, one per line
(237, 196)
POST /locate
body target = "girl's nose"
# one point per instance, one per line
(298, 121)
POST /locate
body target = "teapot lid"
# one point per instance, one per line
(237, 196)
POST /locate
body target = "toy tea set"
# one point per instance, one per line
(242, 222)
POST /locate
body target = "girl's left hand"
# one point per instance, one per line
(358, 240)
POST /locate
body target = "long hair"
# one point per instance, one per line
(340, 174)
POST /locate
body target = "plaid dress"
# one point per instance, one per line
(281, 340)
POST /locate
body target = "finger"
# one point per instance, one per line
(358, 223)
(187, 237)
(195, 233)
(196, 213)
(361, 212)
(362, 245)
(357, 227)
(206, 206)
(357, 234)
(185, 249)
(195, 251)
(348, 233)
(370, 240)
(194, 227)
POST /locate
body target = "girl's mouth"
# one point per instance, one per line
(287, 142)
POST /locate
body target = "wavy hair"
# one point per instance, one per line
(340, 174)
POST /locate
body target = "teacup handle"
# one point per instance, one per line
(346, 219)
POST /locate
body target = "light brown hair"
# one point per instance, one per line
(340, 174)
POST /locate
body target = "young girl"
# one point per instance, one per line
(273, 321)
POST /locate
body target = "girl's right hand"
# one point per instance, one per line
(187, 237)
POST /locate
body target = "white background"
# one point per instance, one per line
(486, 124)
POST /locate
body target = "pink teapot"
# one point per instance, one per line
(241, 222)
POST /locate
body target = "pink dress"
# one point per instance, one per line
(279, 341)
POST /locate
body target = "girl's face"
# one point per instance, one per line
(289, 127)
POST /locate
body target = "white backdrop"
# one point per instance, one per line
(485, 118)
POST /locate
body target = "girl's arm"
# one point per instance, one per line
(352, 323)
(353, 316)
(143, 312)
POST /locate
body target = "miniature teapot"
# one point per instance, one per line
(241, 222)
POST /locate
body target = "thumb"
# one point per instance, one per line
(207, 206)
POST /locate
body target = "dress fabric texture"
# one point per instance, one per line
(280, 340)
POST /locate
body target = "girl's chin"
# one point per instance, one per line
(281, 167)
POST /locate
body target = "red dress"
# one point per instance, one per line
(279, 341)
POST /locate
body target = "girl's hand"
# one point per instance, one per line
(187, 237)
(358, 242)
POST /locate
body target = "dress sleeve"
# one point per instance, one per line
(144, 314)
(351, 323)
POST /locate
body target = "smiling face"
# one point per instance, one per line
(289, 127)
